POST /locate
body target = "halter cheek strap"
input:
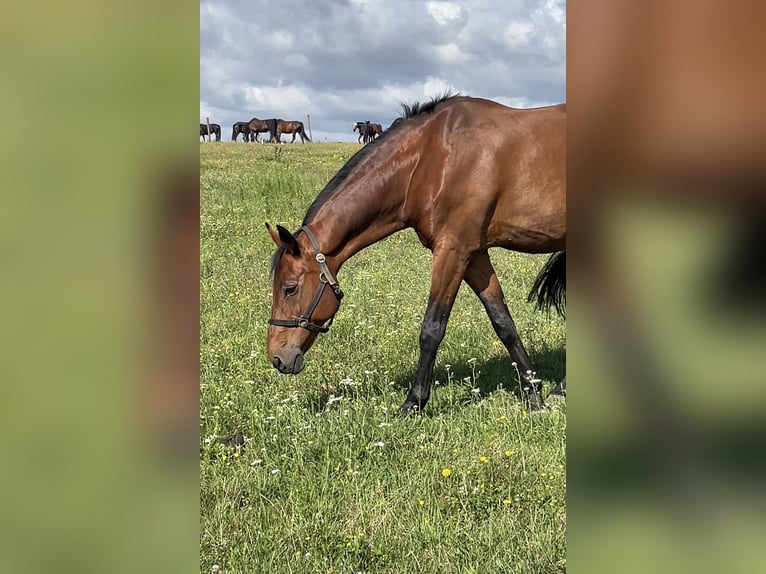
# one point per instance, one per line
(328, 277)
(325, 278)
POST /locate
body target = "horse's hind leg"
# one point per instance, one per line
(481, 277)
(448, 269)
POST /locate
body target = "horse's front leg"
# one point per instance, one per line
(446, 275)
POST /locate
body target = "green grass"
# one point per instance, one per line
(329, 479)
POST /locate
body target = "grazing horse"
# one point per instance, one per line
(261, 126)
(436, 171)
(291, 127)
(214, 128)
(240, 128)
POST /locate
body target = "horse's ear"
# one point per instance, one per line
(284, 238)
(274, 236)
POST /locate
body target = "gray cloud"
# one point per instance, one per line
(348, 60)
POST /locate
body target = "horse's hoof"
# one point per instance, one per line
(409, 409)
(555, 400)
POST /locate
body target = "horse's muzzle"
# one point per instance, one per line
(290, 365)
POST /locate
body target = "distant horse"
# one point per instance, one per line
(262, 126)
(364, 129)
(291, 127)
(367, 131)
(433, 170)
(240, 128)
(214, 128)
(376, 130)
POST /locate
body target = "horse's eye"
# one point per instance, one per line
(291, 290)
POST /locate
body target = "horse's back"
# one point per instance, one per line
(501, 179)
(256, 124)
(288, 126)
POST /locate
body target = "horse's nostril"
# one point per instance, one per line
(276, 362)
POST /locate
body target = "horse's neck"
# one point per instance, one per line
(362, 213)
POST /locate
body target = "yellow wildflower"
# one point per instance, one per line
(422, 502)
(507, 501)
(509, 452)
(446, 472)
(484, 459)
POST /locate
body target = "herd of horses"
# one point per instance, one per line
(276, 127)
(250, 130)
(367, 131)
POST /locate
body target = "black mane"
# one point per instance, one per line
(419, 108)
(408, 111)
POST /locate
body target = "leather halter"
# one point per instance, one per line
(325, 278)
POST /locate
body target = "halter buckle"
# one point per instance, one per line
(320, 258)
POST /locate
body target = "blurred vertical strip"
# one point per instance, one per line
(172, 386)
(98, 305)
(667, 305)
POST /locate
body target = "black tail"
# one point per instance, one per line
(303, 133)
(273, 134)
(550, 287)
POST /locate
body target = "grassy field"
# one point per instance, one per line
(316, 473)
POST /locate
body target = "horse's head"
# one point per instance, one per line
(356, 126)
(305, 297)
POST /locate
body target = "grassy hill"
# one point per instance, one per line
(316, 473)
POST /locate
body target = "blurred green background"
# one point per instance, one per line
(96, 100)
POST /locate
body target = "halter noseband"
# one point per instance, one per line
(325, 278)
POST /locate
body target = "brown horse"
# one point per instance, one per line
(261, 126)
(291, 127)
(466, 174)
(215, 129)
(367, 131)
(364, 129)
(376, 130)
(240, 128)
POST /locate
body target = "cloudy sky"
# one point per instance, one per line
(352, 60)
